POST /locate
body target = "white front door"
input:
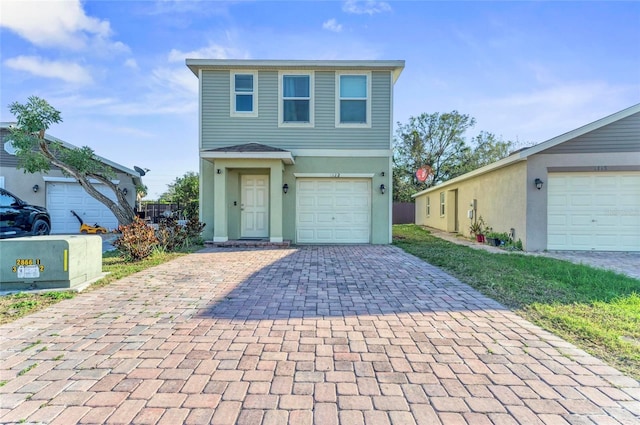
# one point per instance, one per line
(254, 215)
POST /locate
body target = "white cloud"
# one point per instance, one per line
(553, 110)
(131, 63)
(212, 51)
(332, 25)
(65, 71)
(61, 24)
(368, 7)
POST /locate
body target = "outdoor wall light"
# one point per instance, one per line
(285, 188)
(125, 191)
(538, 183)
(382, 188)
(218, 171)
(35, 187)
(382, 173)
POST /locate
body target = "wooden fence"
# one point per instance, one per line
(404, 213)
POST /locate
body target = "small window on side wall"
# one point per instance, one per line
(428, 206)
(441, 203)
(244, 94)
(353, 100)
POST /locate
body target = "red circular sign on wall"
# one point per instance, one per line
(423, 173)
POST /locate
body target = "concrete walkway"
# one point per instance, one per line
(325, 335)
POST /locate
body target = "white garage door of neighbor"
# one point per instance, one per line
(594, 211)
(64, 197)
(333, 210)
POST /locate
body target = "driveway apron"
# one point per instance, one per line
(326, 335)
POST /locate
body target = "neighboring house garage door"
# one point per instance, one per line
(333, 210)
(594, 211)
(64, 197)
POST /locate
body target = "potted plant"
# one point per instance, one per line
(477, 228)
(497, 238)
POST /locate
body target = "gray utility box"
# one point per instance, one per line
(49, 262)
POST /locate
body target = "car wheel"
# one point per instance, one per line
(98, 232)
(84, 232)
(41, 227)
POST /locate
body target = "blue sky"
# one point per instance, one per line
(527, 71)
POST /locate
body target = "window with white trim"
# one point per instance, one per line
(353, 99)
(441, 204)
(428, 206)
(296, 99)
(244, 94)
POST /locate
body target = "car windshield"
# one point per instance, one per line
(7, 200)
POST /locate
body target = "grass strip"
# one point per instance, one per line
(597, 310)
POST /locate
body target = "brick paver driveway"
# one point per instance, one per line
(363, 334)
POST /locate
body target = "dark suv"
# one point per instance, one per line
(17, 218)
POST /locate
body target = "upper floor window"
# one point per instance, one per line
(244, 94)
(296, 104)
(353, 100)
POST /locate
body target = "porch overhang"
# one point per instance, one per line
(248, 151)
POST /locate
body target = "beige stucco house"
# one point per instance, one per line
(59, 193)
(577, 191)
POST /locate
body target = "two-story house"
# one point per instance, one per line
(296, 150)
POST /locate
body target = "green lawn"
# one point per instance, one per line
(595, 309)
(14, 306)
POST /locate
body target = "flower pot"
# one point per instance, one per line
(480, 238)
(493, 241)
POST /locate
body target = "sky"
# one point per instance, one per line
(526, 71)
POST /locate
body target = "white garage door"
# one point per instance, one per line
(594, 211)
(64, 197)
(333, 210)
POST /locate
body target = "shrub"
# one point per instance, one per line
(173, 236)
(137, 241)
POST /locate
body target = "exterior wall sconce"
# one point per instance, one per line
(285, 188)
(125, 191)
(218, 171)
(35, 187)
(538, 183)
(382, 173)
(382, 188)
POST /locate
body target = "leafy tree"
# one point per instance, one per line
(184, 191)
(485, 148)
(437, 140)
(36, 154)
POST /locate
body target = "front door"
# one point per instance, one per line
(254, 215)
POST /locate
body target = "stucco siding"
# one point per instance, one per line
(539, 167)
(620, 136)
(380, 212)
(219, 129)
(500, 200)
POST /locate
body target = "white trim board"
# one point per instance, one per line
(335, 175)
(72, 180)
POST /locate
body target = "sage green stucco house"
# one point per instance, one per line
(296, 150)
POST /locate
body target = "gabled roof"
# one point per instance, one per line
(247, 147)
(248, 151)
(523, 154)
(134, 174)
(396, 66)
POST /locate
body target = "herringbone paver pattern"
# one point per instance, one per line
(326, 335)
